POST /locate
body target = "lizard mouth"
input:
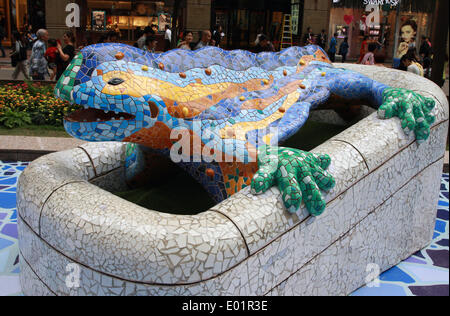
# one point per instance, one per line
(96, 115)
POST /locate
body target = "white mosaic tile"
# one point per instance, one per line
(263, 218)
(409, 213)
(105, 156)
(45, 175)
(120, 238)
(122, 249)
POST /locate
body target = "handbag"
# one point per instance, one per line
(23, 54)
(14, 59)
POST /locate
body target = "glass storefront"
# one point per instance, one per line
(127, 18)
(297, 15)
(14, 16)
(243, 20)
(395, 26)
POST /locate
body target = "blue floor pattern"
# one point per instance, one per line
(9, 249)
(423, 274)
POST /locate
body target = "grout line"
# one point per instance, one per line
(34, 272)
(354, 226)
(90, 159)
(49, 196)
(238, 228)
(354, 147)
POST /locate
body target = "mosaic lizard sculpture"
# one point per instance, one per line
(234, 105)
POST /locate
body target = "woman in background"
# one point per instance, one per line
(66, 54)
(369, 58)
(186, 43)
(363, 50)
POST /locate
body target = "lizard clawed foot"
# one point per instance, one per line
(299, 175)
(413, 109)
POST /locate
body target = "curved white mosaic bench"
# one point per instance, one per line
(381, 211)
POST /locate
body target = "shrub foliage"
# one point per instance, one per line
(32, 103)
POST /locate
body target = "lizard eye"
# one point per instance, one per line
(116, 81)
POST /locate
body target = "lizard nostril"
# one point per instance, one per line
(116, 81)
(154, 109)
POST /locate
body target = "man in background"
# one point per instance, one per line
(205, 40)
(323, 39)
(309, 37)
(38, 63)
(167, 38)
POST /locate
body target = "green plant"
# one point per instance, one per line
(13, 119)
(37, 101)
(37, 88)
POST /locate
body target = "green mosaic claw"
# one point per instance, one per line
(299, 175)
(413, 109)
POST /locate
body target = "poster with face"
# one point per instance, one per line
(407, 38)
(163, 20)
(98, 20)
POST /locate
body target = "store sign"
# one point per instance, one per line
(373, 19)
(381, 2)
(73, 18)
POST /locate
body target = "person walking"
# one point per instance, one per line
(38, 63)
(66, 54)
(343, 49)
(20, 55)
(323, 39)
(2, 36)
(332, 50)
(167, 38)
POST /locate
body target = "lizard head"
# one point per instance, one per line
(112, 83)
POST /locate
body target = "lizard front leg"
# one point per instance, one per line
(413, 109)
(299, 175)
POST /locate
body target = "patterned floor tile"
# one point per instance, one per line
(9, 259)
